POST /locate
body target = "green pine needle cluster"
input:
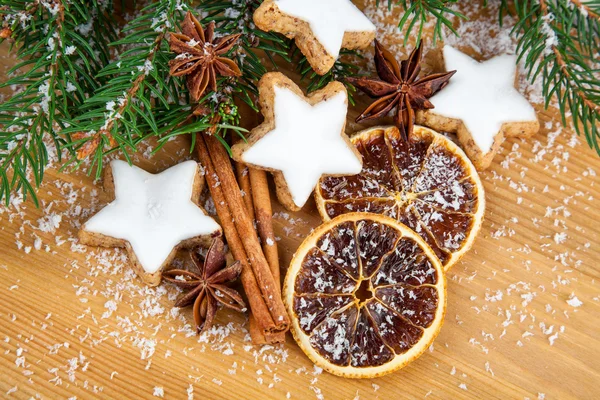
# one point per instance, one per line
(560, 42)
(61, 47)
(133, 102)
(86, 87)
(418, 12)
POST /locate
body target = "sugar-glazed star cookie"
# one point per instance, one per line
(321, 27)
(151, 216)
(481, 105)
(301, 139)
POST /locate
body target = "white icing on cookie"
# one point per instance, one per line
(154, 213)
(328, 19)
(306, 142)
(482, 95)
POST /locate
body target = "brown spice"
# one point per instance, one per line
(206, 284)
(261, 203)
(264, 219)
(200, 56)
(399, 88)
(245, 227)
(258, 204)
(265, 302)
(242, 173)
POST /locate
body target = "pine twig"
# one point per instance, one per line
(418, 12)
(588, 9)
(123, 112)
(559, 42)
(59, 70)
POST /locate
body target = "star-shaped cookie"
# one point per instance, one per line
(151, 216)
(301, 139)
(481, 105)
(321, 27)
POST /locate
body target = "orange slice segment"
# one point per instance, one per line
(366, 295)
(426, 182)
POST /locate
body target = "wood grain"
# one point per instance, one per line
(509, 333)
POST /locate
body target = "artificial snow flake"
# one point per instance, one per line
(159, 391)
(146, 68)
(574, 301)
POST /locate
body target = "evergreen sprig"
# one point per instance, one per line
(61, 45)
(135, 99)
(142, 100)
(418, 12)
(559, 42)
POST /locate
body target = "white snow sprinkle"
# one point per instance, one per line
(574, 301)
(158, 391)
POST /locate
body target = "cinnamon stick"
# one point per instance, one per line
(256, 302)
(243, 177)
(256, 333)
(261, 338)
(261, 208)
(243, 174)
(264, 220)
(247, 234)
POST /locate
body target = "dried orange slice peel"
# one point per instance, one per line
(366, 295)
(427, 183)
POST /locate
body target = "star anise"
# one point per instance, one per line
(200, 56)
(206, 285)
(399, 87)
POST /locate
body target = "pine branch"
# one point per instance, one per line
(418, 12)
(141, 98)
(216, 113)
(56, 71)
(591, 8)
(122, 112)
(560, 42)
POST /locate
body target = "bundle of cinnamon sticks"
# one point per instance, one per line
(237, 212)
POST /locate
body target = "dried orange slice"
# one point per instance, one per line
(427, 183)
(366, 295)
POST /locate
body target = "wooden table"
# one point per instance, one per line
(522, 320)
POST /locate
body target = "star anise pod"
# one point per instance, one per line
(200, 56)
(206, 285)
(399, 87)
